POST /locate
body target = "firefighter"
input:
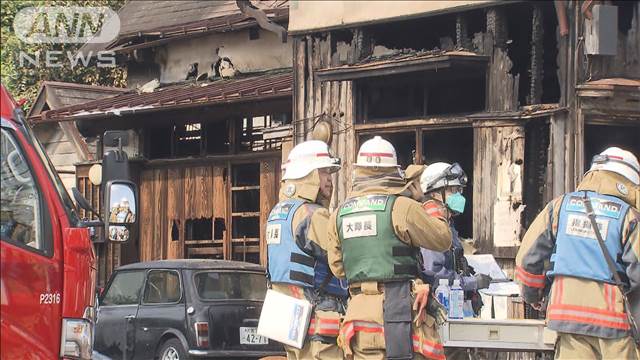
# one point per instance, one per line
(297, 257)
(121, 212)
(561, 250)
(443, 185)
(375, 238)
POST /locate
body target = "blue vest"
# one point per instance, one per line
(577, 250)
(287, 262)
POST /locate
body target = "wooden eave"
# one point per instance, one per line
(404, 65)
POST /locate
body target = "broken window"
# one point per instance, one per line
(250, 132)
(435, 32)
(420, 94)
(158, 141)
(245, 212)
(217, 137)
(200, 240)
(187, 139)
(219, 228)
(214, 138)
(450, 146)
(199, 229)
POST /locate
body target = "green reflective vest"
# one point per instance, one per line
(371, 251)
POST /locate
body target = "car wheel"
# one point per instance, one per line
(172, 350)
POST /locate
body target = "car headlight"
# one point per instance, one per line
(77, 337)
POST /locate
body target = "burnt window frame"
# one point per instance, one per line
(427, 80)
(233, 127)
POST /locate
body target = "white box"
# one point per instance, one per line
(285, 319)
(601, 32)
(502, 335)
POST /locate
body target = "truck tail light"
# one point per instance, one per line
(202, 334)
(76, 342)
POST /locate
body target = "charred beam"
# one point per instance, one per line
(462, 32)
(537, 51)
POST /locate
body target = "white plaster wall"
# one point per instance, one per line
(315, 15)
(267, 52)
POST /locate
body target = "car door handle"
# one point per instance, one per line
(130, 317)
(145, 329)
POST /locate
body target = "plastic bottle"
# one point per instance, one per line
(456, 301)
(442, 293)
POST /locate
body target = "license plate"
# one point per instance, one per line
(249, 336)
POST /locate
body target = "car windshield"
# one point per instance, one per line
(215, 285)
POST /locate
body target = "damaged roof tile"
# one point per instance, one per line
(249, 87)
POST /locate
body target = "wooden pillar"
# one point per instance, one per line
(268, 199)
(498, 185)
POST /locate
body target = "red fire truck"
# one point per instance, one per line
(48, 265)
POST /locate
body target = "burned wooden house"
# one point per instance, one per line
(208, 105)
(62, 141)
(521, 93)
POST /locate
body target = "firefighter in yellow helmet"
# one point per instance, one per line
(297, 259)
(374, 240)
(562, 251)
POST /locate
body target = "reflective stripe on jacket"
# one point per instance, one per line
(602, 315)
(578, 304)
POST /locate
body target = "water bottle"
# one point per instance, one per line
(456, 301)
(442, 293)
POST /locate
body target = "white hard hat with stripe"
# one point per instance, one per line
(441, 174)
(308, 156)
(377, 152)
(618, 161)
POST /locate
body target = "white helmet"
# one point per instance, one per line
(377, 152)
(618, 161)
(308, 156)
(441, 174)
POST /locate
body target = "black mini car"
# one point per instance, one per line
(179, 309)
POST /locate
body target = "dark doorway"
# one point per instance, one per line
(599, 137)
(453, 145)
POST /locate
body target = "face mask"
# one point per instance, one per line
(456, 202)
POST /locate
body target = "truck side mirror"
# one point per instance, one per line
(121, 216)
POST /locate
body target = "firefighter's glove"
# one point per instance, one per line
(437, 310)
(482, 280)
(422, 298)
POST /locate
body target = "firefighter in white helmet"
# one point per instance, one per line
(561, 252)
(443, 185)
(121, 212)
(375, 238)
(297, 257)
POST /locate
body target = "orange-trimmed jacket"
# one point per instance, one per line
(575, 305)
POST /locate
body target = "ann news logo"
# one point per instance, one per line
(66, 25)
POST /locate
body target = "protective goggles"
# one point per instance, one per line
(453, 172)
(603, 159)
